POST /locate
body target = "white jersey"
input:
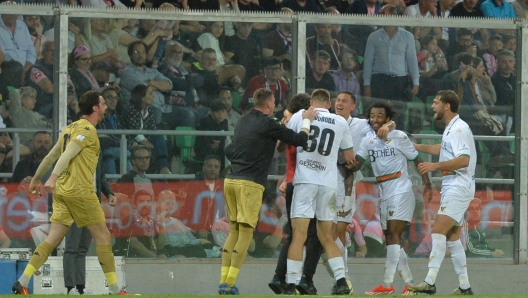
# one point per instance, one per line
(317, 162)
(458, 141)
(389, 161)
(359, 128)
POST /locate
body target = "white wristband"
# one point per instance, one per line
(348, 203)
(306, 124)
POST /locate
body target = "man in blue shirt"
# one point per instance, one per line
(390, 55)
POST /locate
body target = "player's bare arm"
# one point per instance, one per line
(429, 149)
(450, 165)
(428, 186)
(72, 149)
(384, 130)
(44, 166)
(356, 166)
(350, 156)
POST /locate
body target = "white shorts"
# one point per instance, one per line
(397, 207)
(341, 199)
(454, 207)
(311, 200)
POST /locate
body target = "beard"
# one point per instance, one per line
(439, 115)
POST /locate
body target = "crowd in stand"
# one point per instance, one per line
(202, 75)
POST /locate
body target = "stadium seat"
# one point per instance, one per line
(186, 144)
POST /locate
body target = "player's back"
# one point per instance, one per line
(317, 162)
(78, 179)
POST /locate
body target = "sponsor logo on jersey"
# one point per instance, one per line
(87, 128)
(80, 137)
(325, 119)
(312, 165)
(385, 152)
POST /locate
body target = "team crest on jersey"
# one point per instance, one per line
(391, 213)
(371, 142)
(80, 137)
(388, 142)
(442, 208)
(405, 138)
(458, 131)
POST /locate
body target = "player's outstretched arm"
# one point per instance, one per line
(429, 149)
(44, 166)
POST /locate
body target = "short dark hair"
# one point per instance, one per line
(348, 51)
(131, 46)
(425, 41)
(261, 96)
(270, 61)
(41, 132)
(495, 37)
(323, 55)
(298, 102)
(389, 110)
(462, 57)
(218, 105)
(87, 101)
(348, 93)
(135, 149)
(463, 32)
(208, 51)
(508, 37)
(211, 156)
(223, 88)
(141, 193)
(450, 97)
(138, 93)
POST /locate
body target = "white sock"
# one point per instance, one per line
(113, 289)
(327, 265)
(293, 271)
(458, 256)
(338, 268)
(436, 257)
(391, 262)
(403, 268)
(343, 250)
(302, 266)
(24, 280)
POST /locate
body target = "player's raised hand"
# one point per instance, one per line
(310, 113)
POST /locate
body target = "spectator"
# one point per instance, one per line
(136, 179)
(214, 77)
(490, 58)
(146, 237)
(270, 79)
(74, 36)
(166, 27)
(374, 238)
(79, 65)
(204, 5)
(425, 247)
(139, 116)
(470, 9)
(121, 39)
(521, 9)
(179, 241)
(368, 7)
(105, 4)
(242, 49)
(269, 230)
(26, 168)
(22, 112)
(475, 235)
(224, 95)
(18, 49)
(210, 39)
(104, 57)
(110, 144)
(319, 77)
(278, 42)
(505, 84)
(443, 10)
(167, 110)
(510, 41)
(35, 31)
(424, 9)
(72, 108)
(302, 6)
(342, 34)
(498, 9)
(323, 41)
(344, 78)
(464, 43)
(385, 73)
(360, 246)
(238, 6)
(433, 66)
(484, 89)
(188, 42)
(182, 79)
(41, 79)
(212, 145)
(7, 154)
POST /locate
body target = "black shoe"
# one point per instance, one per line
(306, 288)
(276, 286)
(342, 290)
(289, 289)
(459, 291)
(18, 289)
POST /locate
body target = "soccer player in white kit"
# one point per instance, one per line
(388, 158)
(346, 179)
(315, 189)
(458, 158)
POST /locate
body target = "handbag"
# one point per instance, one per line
(492, 122)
